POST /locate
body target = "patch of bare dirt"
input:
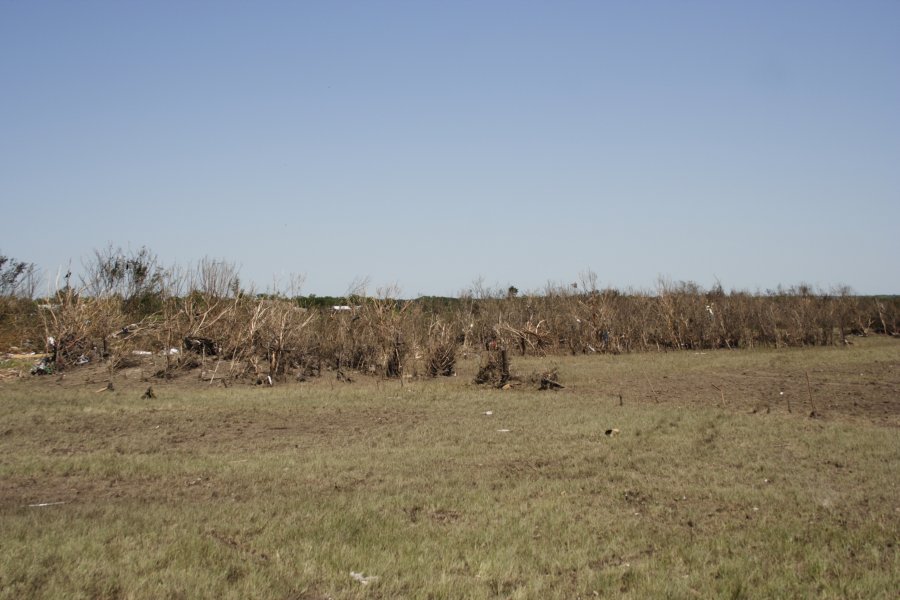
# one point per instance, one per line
(869, 391)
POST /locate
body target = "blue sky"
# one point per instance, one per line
(431, 143)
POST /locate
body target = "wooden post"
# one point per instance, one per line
(809, 391)
(721, 392)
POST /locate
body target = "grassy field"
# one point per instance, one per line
(444, 489)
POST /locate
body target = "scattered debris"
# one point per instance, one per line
(503, 431)
(550, 384)
(142, 353)
(495, 369)
(43, 504)
(25, 356)
(43, 366)
(201, 345)
(82, 360)
(488, 412)
(360, 577)
(126, 331)
(548, 380)
(612, 432)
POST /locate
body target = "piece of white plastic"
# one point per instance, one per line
(362, 578)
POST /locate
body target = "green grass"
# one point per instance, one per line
(22, 364)
(281, 493)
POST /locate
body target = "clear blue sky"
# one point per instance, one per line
(430, 143)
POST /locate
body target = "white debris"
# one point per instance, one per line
(503, 431)
(362, 578)
(488, 412)
(142, 353)
(42, 504)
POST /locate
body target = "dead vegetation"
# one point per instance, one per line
(547, 380)
(128, 307)
(442, 346)
(494, 369)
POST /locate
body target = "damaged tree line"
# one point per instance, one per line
(126, 306)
